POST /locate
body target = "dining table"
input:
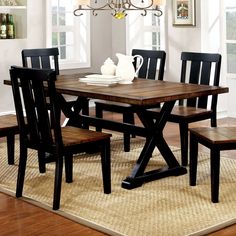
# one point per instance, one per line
(141, 94)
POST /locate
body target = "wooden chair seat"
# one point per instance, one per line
(189, 112)
(183, 112)
(8, 122)
(74, 136)
(216, 139)
(216, 135)
(9, 128)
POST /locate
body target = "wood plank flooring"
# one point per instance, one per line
(23, 219)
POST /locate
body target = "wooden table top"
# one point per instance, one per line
(141, 92)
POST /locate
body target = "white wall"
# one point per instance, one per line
(180, 38)
(118, 38)
(212, 40)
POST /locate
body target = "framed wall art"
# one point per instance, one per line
(184, 12)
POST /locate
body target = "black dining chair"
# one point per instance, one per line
(217, 139)
(48, 58)
(153, 61)
(41, 58)
(197, 68)
(43, 132)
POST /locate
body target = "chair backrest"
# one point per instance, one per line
(201, 68)
(153, 60)
(41, 58)
(30, 88)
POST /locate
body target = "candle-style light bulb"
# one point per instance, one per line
(159, 2)
(83, 2)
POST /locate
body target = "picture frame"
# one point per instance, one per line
(184, 13)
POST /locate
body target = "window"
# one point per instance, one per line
(69, 33)
(145, 32)
(230, 10)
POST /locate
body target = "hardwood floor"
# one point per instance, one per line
(19, 218)
(23, 219)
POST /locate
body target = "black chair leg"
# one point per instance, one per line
(126, 139)
(127, 118)
(193, 160)
(213, 122)
(106, 167)
(21, 171)
(10, 149)
(184, 143)
(57, 183)
(99, 114)
(215, 174)
(85, 111)
(131, 120)
(42, 161)
(69, 168)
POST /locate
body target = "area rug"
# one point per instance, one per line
(167, 206)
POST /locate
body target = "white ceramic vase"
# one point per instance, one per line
(108, 68)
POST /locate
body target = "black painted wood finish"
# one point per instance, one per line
(42, 131)
(41, 58)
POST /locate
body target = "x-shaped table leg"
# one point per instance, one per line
(154, 139)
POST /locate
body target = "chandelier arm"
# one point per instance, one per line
(77, 14)
(160, 13)
(89, 8)
(111, 5)
(94, 13)
(144, 13)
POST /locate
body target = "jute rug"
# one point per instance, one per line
(164, 207)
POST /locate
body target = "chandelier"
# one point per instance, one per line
(119, 8)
